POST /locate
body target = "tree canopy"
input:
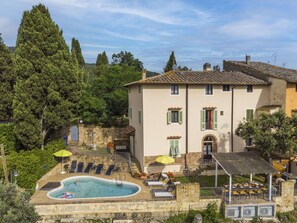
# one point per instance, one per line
(271, 133)
(102, 59)
(15, 206)
(47, 86)
(127, 58)
(105, 99)
(7, 80)
(171, 63)
(76, 52)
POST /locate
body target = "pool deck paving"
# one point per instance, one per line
(40, 195)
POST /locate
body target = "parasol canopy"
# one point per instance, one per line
(62, 153)
(165, 159)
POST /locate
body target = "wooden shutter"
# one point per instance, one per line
(139, 116)
(215, 119)
(180, 117)
(249, 114)
(172, 150)
(169, 117)
(176, 147)
(202, 120)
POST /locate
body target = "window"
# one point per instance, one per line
(174, 148)
(249, 88)
(130, 113)
(208, 89)
(174, 117)
(139, 117)
(174, 89)
(139, 88)
(249, 142)
(209, 119)
(226, 87)
(249, 114)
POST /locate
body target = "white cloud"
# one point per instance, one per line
(99, 46)
(255, 28)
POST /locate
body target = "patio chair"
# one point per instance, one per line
(163, 195)
(155, 183)
(73, 166)
(99, 168)
(109, 170)
(88, 168)
(80, 167)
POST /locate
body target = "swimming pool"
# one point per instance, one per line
(82, 187)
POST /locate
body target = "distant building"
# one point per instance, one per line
(190, 114)
(283, 88)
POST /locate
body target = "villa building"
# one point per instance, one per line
(190, 114)
(283, 88)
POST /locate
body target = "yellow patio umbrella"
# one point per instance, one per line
(165, 159)
(62, 153)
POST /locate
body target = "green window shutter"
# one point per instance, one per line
(215, 119)
(176, 148)
(249, 114)
(180, 117)
(202, 120)
(130, 113)
(169, 117)
(172, 150)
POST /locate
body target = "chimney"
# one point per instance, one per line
(143, 73)
(207, 67)
(247, 59)
(216, 68)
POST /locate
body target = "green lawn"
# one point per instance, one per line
(209, 181)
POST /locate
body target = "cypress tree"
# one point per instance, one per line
(46, 91)
(102, 59)
(76, 52)
(7, 81)
(171, 63)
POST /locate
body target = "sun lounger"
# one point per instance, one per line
(80, 167)
(73, 166)
(163, 194)
(155, 183)
(169, 188)
(88, 168)
(99, 168)
(109, 170)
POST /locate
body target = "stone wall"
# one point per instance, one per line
(286, 201)
(187, 198)
(90, 135)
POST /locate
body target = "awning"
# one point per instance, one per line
(243, 163)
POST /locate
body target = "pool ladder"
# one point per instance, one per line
(120, 179)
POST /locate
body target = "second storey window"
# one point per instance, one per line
(174, 89)
(209, 119)
(249, 88)
(208, 89)
(226, 87)
(174, 116)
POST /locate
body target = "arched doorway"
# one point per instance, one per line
(209, 146)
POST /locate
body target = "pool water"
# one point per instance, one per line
(92, 187)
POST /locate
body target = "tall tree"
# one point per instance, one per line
(46, 91)
(271, 133)
(102, 59)
(76, 52)
(171, 63)
(15, 206)
(127, 58)
(7, 80)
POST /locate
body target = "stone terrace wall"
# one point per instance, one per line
(140, 211)
(89, 135)
(286, 201)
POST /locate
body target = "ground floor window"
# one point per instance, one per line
(208, 144)
(174, 148)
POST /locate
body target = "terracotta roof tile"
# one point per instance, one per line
(202, 77)
(289, 75)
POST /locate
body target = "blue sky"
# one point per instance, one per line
(197, 31)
